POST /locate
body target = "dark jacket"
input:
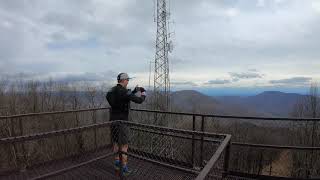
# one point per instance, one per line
(119, 99)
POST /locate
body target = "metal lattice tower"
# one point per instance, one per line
(161, 71)
(161, 99)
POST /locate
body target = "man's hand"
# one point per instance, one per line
(136, 89)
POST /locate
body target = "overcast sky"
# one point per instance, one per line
(218, 44)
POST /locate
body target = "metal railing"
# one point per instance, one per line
(265, 142)
(176, 162)
(39, 136)
(224, 147)
(31, 126)
(201, 123)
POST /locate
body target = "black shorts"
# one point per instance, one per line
(119, 133)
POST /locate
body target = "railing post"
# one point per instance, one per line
(79, 134)
(110, 114)
(156, 118)
(260, 163)
(226, 160)
(65, 146)
(270, 170)
(95, 130)
(193, 143)
(23, 160)
(14, 147)
(20, 127)
(152, 137)
(202, 130)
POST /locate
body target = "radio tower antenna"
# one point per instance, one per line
(163, 47)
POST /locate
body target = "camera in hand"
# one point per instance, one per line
(142, 89)
(136, 89)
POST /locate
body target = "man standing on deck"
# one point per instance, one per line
(119, 98)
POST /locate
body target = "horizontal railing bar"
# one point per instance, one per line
(269, 146)
(275, 146)
(158, 157)
(51, 113)
(51, 133)
(205, 171)
(72, 130)
(177, 136)
(166, 112)
(227, 116)
(259, 176)
(164, 164)
(182, 131)
(64, 170)
(77, 129)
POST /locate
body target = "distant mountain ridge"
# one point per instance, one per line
(272, 103)
(268, 103)
(196, 102)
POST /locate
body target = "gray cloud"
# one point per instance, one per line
(254, 36)
(218, 81)
(89, 77)
(108, 76)
(234, 79)
(12, 38)
(292, 81)
(32, 32)
(68, 21)
(207, 34)
(245, 75)
(178, 61)
(22, 76)
(184, 83)
(252, 70)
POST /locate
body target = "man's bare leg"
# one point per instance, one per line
(117, 163)
(124, 148)
(115, 150)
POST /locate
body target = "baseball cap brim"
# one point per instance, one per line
(124, 76)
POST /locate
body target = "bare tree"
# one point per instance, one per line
(306, 133)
